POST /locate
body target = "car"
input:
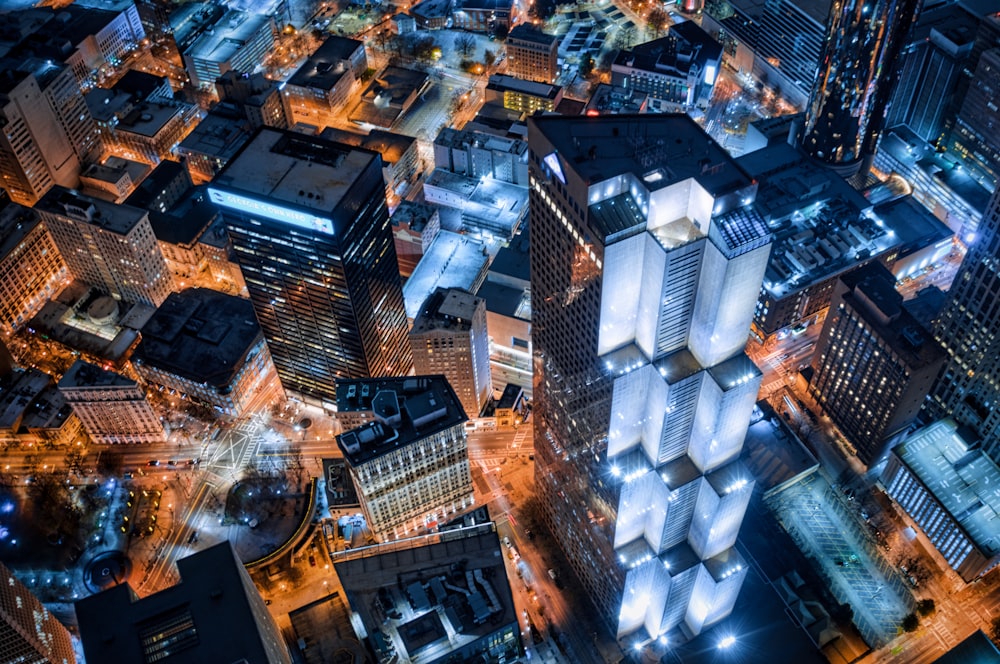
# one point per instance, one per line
(171, 463)
(312, 560)
(506, 541)
(153, 462)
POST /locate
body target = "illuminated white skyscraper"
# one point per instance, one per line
(645, 264)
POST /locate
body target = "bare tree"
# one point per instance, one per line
(465, 45)
(657, 20)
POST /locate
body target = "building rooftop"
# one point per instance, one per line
(229, 34)
(214, 600)
(18, 391)
(446, 595)
(463, 138)
(188, 221)
(526, 32)
(83, 375)
(962, 478)
(306, 172)
(165, 175)
(452, 261)
(687, 49)
(406, 410)
(908, 149)
(16, 221)
(873, 295)
(975, 649)
(120, 219)
(605, 147)
(501, 204)
(220, 134)
(502, 83)
(150, 117)
(49, 410)
(414, 215)
(201, 335)
(446, 309)
(390, 145)
(326, 66)
(506, 300)
(384, 100)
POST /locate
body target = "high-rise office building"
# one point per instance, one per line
(791, 38)
(112, 408)
(31, 269)
(111, 247)
(410, 459)
(976, 136)
(47, 129)
(646, 260)
(932, 67)
(449, 337)
(213, 614)
(856, 77)
(311, 231)
(28, 632)
(874, 363)
(969, 387)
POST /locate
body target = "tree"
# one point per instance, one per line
(424, 48)
(465, 45)
(586, 65)
(489, 57)
(995, 630)
(657, 21)
(925, 607)
(623, 40)
(911, 622)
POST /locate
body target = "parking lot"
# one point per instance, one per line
(824, 528)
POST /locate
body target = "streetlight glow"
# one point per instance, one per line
(727, 642)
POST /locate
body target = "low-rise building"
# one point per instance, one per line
(112, 408)
(238, 41)
(33, 411)
(210, 146)
(162, 188)
(946, 484)
(489, 16)
(447, 601)
(388, 96)
(206, 347)
(257, 97)
(400, 157)
(679, 69)
(487, 208)
(322, 85)
(414, 227)
(478, 154)
(522, 96)
(410, 461)
(507, 292)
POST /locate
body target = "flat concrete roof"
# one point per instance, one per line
(304, 171)
(963, 479)
(201, 335)
(214, 601)
(447, 309)
(85, 375)
(459, 583)
(229, 35)
(452, 261)
(63, 202)
(390, 145)
(406, 409)
(327, 65)
(599, 148)
(16, 222)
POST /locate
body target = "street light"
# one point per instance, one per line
(727, 642)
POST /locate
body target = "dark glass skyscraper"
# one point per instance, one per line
(310, 227)
(969, 329)
(856, 76)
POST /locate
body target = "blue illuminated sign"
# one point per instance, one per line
(271, 211)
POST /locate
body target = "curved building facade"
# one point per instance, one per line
(856, 75)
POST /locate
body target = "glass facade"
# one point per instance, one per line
(646, 261)
(325, 288)
(856, 75)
